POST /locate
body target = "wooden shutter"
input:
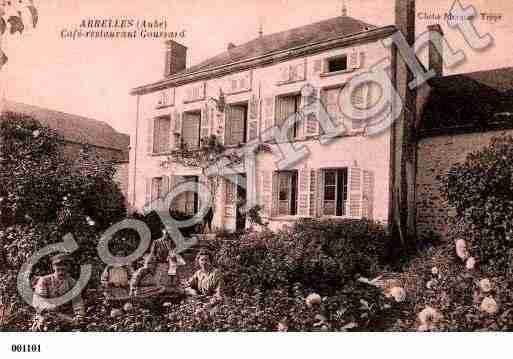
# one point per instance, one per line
(312, 206)
(359, 101)
(368, 195)
(147, 197)
(253, 115)
(149, 136)
(317, 67)
(165, 187)
(227, 125)
(310, 123)
(177, 129)
(171, 134)
(204, 131)
(165, 130)
(355, 58)
(268, 112)
(320, 192)
(230, 191)
(355, 192)
(285, 73)
(267, 194)
(303, 191)
(275, 194)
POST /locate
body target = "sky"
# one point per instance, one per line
(93, 77)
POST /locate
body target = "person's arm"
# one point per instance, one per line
(42, 291)
(191, 287)
(105, 277)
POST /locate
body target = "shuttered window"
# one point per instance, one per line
(287, 193)
(334, 192)
(161, 134)
(330, 99)
(191, 129)
(285, 107)
(236, 122)
(156, 188)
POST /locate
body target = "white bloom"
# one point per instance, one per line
(429, 316)
(115, 313)
(128, 307)
(489, 305)
(485, 285)
(36, 133)
(282, 327)
(471, 263)
(461, 249)
(434, 271)
(431, 284)
(313, 299)
(398, 293)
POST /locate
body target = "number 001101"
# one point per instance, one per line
(26, 348)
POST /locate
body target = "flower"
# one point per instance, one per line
(434, 271)
(429, 316)
(485, 285)
(489, 305)
(471, 263)
(128, 307)
(36, 133)
(282, 327)
(398, 293)
(430, 284)
(313, 299)
(461, 249)
(115, 313)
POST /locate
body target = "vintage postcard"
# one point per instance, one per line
(255, 166)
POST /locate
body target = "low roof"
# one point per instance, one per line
(476, 101)
(73, 128)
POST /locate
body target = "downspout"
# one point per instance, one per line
(136, 142)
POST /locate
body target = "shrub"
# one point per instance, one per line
(481, 191)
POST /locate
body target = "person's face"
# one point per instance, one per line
(204, 262)
(60, 269)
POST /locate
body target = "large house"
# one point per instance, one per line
(356, 175)
(78, 132)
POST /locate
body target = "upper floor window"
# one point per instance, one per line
(338, 63)
(161, 134)
(285, 107)
(191, 129)
(236, 124)
(157, 188)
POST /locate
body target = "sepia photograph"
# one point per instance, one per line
(289, 167)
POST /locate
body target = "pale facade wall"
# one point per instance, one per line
(371, 153)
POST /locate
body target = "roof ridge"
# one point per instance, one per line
(62, 112)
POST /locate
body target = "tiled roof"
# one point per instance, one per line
(73, 128)
(319, 31)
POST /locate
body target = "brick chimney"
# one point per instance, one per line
(175, 59)
(436, 49)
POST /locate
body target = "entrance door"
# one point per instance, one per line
(240, 220)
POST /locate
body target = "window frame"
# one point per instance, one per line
(297, 109)
(341, 195)
(228, 127)
(292, 195)
(158, 145)
(183, 125)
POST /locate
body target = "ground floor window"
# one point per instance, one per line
(334, 192)
(286, 192)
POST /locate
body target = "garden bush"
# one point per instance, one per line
(481, 191)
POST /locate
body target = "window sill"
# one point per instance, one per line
(280, 83)
(335, 73)
(160, 107)
(193, 101)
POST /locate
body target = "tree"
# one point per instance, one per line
(40, 187)
(12, 14)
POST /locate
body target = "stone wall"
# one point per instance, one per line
(436, 155)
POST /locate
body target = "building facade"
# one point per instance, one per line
(261, 82)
